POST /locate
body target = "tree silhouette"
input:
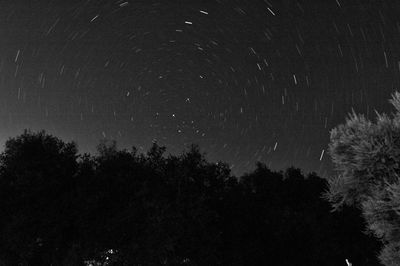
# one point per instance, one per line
(36, 177)
(279, 217)
(367, 157)
(119, 207)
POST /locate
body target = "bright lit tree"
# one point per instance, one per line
(366, 155)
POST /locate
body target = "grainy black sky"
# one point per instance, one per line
(246, 80)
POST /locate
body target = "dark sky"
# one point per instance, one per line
(246, 80)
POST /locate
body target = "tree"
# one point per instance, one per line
(367, 157)
(112, 203)
(280, 218)
(197, 187)
(36, 183)
(119, 207)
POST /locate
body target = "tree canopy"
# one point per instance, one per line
(119, 207)
(367, 156)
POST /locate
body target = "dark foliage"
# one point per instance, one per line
(123, 208)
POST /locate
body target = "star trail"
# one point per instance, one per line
(246, 80)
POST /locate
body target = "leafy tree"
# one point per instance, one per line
(197, 188)
(112, 200)
(149, 209)
(280, 218)
(119, 207)
(36, 176)
(367, 157)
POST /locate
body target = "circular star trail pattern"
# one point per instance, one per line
(246, 80)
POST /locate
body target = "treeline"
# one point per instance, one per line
(119, 207)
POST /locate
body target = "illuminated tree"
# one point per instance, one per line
(367, 157)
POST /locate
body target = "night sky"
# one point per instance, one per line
(246, 80)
